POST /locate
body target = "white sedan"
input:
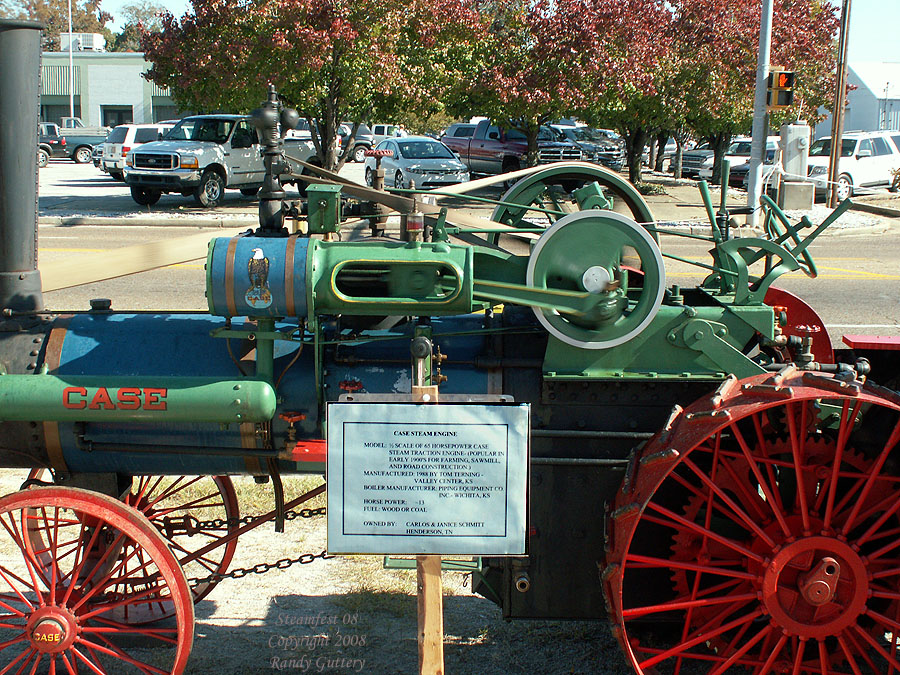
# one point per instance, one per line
(417, 162)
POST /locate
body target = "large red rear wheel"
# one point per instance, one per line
(759, 533)
(64, 594)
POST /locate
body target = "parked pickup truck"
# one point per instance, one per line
(50, 143)
(81, 139)
(492, 150)
(75, 147)
(201, 157)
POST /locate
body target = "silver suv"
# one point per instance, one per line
(867, 159)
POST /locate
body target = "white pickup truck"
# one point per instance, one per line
(201, 157)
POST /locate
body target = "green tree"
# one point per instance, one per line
(717, 47)
(535, 65)
(139, 18)
(630, 55)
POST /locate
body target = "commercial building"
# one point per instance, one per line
(873, 104)
(109, 89)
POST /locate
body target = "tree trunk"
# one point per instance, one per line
(680, 137)
(634, 149)
(661, 139)
(531, 156)
(719, 143)
(654, 152)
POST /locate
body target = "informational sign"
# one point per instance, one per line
(407, 478)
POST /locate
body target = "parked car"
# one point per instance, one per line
(740, 175)
(363, 140)
(419, 160)
(78, 148)
(459, 130)
(50, 144)
(692, 161)
(384, 131)
(493, 150)
(595, 145)
(124, 138)
(97, 155)
(738, 155)
(867, 160)
(202, 156)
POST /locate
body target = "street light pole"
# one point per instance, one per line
(758, 146)
(837, 113)
(71, 68)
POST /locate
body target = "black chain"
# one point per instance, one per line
(259, 568)
(228, 523)
(189, 525)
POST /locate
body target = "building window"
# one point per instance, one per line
(165, 112)
(114, 115)
(55, 112)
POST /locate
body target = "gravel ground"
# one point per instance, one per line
(348, 614)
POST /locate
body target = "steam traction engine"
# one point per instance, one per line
(705, 471)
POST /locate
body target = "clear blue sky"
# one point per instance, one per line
(874, 25)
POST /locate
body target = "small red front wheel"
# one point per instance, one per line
(75, 565)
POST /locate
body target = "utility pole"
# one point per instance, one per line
(760, 118)
(71, 68)
(837, 113)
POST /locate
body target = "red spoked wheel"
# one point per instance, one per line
(759, 533)
(180, 507)
(62, 595)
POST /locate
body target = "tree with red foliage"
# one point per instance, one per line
(538, 61)
(717, 49)
(634, 40)
(331, 59)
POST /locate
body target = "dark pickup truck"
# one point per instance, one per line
(492, 150)
(50, 144)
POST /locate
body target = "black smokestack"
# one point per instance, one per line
(20, 64)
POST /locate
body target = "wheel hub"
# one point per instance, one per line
(815, 587)
(51, 629)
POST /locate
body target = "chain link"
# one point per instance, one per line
(228, 523)
(259, 568)
(190, 525)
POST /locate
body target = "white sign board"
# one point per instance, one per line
(407, 478)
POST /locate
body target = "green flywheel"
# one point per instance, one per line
(596, 252)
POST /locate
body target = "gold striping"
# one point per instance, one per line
(289, 275)
(229, 276)
(52, 356)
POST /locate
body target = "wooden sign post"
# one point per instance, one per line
(429, 587)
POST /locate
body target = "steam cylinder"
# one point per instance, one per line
(20, 60)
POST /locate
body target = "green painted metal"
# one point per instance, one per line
(535, 190)
(324, 208)
(669, 348)
(374, 278)
(587, 252)
(70, 398)
(452, 565)
(265, 351)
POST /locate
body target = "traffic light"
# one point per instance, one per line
(780, 92)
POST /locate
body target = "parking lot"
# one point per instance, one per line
(71, 190)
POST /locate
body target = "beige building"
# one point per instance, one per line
(109, 89)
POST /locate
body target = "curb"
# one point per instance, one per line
(181, 221)
(877, 210)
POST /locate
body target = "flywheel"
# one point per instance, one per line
(592, 251)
